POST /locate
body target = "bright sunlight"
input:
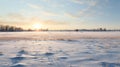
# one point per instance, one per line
(37, 26)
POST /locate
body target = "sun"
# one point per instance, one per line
(37, 26)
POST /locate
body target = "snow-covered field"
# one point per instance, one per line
(59, 49)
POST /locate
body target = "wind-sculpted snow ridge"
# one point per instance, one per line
(58, 35)
(77, 53)
(81, 52)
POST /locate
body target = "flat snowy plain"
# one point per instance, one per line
(59, 49)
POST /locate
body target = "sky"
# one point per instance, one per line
(61, 14)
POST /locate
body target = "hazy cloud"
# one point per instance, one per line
(15, 16)
(89, 2)
(19, 18)
(47, 13)
(53, 22)
(92, 8)
(70, 15)
(34, 6)
(87, 12)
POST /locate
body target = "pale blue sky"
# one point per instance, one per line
(61, 14)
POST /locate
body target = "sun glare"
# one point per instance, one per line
(37, 26)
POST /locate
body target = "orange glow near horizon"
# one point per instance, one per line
(37, 26)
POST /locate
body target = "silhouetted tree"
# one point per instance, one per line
(10, 28)
(76, 29)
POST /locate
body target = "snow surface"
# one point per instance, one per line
(60, 49)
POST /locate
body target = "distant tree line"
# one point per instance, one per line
(98, 29)
(10, 28)
(7, 28)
